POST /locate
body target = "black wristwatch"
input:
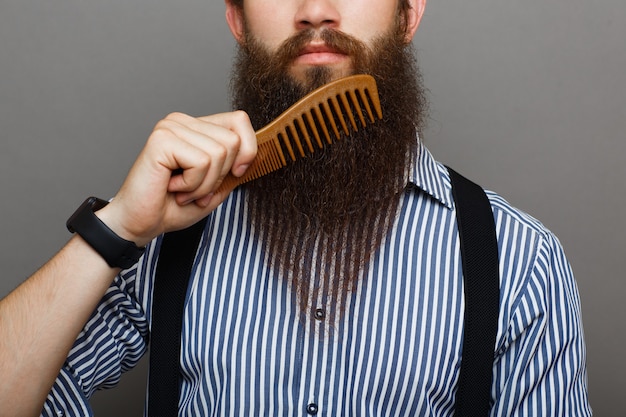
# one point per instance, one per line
(116, 251)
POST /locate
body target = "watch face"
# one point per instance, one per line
(92, 204)
(97, 203)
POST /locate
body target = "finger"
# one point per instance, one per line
(211, 133)
(223, 142)
(189, 164)
(199, 182)
(239, 123)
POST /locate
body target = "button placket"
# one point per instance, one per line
(315, 351)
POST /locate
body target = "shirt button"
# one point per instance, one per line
(319, 314)
(312, 409)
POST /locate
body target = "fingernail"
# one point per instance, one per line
(241, 170)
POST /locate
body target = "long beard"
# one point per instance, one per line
(322, 218)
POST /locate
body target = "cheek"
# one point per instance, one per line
(268, 24)
(379, 19)
(273, 21)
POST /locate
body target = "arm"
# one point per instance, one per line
(40, 320)
(540, 368)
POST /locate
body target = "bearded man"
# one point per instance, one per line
(333, 286)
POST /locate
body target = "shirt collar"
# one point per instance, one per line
(429, 176)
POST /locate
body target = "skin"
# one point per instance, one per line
(363, 19)
(40, 320)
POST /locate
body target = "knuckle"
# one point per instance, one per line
(164, 125)
(175, 116)
(220, 153)
(204, 160)
(233, 141)
(161, 133)
(241, 116)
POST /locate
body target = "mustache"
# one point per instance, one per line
(334, 39)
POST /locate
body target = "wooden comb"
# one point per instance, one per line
(312, 123)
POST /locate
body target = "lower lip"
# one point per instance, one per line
(320, 58)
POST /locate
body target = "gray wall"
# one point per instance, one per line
(528, 98)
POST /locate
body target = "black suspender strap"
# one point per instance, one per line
(479, 254)
(176, 256)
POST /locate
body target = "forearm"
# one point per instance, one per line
(40, 320)
(171, 186)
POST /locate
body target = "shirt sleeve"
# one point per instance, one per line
(540, 366)
(112, 342)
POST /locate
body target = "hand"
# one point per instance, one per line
(172, 183)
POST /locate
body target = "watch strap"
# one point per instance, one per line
(116, 251)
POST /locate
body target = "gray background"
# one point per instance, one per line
(527, 98)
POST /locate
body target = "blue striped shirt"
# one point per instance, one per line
(248, 351)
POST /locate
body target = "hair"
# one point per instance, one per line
(316, 236)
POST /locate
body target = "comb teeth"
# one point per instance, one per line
(315, 121)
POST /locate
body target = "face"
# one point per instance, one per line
(271, 22)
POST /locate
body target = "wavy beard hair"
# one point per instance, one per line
(322, 218)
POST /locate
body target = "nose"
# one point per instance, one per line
(316, 14)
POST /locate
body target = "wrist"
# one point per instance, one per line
(116, 250)
(110, 217)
